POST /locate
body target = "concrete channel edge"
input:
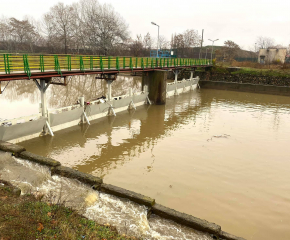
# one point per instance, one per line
(124, 193)
(38, 159)
(246, 87)
(185, 219)
(97, 184)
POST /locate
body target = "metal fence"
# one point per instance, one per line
(10, 64)
(240, 59)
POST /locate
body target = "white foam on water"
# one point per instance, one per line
(170, 230)
(26, 175)
(128, 217)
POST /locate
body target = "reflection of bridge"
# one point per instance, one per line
(16, 67)
(153, 126)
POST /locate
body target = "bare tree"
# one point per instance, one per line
(112, 28)
(91, 16)
(136, 46)
(177, 41)
(85, 26)
(265, 42)
(163, 42)
(230, 49)
(58, 23)
(5, 34)
(78, 29)
(191, 38)
(21, 30)
(103, 26)
(148, 41)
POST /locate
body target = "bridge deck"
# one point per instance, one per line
(23, 67)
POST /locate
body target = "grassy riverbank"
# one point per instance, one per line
(254, 68)
(26, 217)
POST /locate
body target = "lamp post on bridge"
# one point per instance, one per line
(212, 46)
(206, 53)
(158, 36)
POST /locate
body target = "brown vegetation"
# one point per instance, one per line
(256, 65)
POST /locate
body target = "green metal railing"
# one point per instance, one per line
(10, 64)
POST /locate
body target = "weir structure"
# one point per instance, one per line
(58, 70)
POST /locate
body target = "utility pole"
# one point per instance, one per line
(158, 36)
(201, 44)
(206, 53)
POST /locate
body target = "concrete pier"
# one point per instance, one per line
(156, 82)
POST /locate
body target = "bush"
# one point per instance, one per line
(276, 62)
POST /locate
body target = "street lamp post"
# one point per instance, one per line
(212, 46)
(158, 36)
(206, 53)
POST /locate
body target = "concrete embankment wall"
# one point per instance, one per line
(28, 127)
(25, 128)
(246, 87)
(275, 85)
(98, 184)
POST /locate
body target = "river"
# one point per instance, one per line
(218, 155)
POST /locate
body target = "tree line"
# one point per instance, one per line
(85, 27)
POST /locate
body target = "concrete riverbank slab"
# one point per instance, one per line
(227, 236)
(9, 147)
(82, 177)
(121, 192)
(39, 159)
(185, 219)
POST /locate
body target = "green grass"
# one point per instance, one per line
(26, 217)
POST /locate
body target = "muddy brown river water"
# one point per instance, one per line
(219, 155)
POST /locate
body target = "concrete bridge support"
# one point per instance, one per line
(175, 81)
(191, 76)
(42, 86)
(109, 97)
(156, 83)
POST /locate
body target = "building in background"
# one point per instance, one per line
(287, 59)
(172, 53)
(272, 55)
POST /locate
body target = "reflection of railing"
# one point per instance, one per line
(41, 63)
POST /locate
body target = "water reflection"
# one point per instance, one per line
(23, 96)
(109, 142)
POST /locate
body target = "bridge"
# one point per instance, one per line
(25, 67)
(43, 70)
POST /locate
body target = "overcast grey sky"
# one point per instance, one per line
(241, 21)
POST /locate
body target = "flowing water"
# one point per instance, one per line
(218, 155)
(128, 217)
